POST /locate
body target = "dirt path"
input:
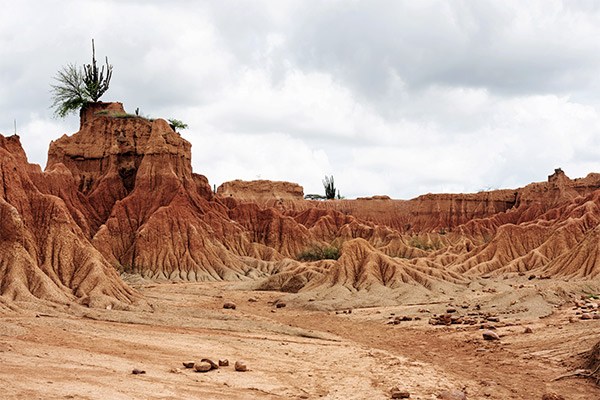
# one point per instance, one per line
(292, 353)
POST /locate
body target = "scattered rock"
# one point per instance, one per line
(175, 371)
(240, 366)
(453, 395)
(528, 330)
(450, 310)
(252, 300)
(213, 365)
(490, 335)
(596, 316)
(203, 367)
(280, 305)
(229, 305)
(586, 316)
(399, 394)
(552, 396)
(224, 363)
(189, 364)
(399, 319)
(138, 371)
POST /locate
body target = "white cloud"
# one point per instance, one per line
(397, 98)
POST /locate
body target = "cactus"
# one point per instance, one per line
(95, 83)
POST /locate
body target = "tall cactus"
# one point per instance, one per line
(95, 83)
(329, 186)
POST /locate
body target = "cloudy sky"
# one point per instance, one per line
(390, 97)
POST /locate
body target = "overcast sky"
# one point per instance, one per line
(390, 97)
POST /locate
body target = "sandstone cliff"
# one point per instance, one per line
(44, 253)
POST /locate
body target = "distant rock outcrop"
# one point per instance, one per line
(261, 190)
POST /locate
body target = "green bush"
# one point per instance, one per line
(76, 87)
(176, 124)
(424, 245)
(317, 252)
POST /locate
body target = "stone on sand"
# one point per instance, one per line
(203, 367)
(452, 395)
(490, 335)
(240, 366)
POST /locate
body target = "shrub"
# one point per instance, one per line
(69, 95)
(424, 245)
(317, 252)
(176, 124)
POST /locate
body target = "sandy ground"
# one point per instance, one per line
(305, 350)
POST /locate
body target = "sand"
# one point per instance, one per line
(306, 350)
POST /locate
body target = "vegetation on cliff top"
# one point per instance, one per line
(77, 86)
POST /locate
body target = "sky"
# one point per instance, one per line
(397, 98)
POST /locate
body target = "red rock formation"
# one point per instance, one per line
(121, 194)
(261, 190)
(359, 267)
(44, 253)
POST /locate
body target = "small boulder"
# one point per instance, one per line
(399, 394)
(229, 305)
(213, 365)
(224, 363)
(586, 316)
(280, 305)
(552, 396)
(528, 330)
(240, 366)
(137, 371)
(189, 364)
(490, 335)
(203, 367)
(452, 395)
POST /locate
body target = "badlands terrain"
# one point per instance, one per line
(118, 258)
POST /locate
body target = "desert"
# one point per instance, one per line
(119, 264)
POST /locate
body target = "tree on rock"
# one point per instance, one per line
(76, 87)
